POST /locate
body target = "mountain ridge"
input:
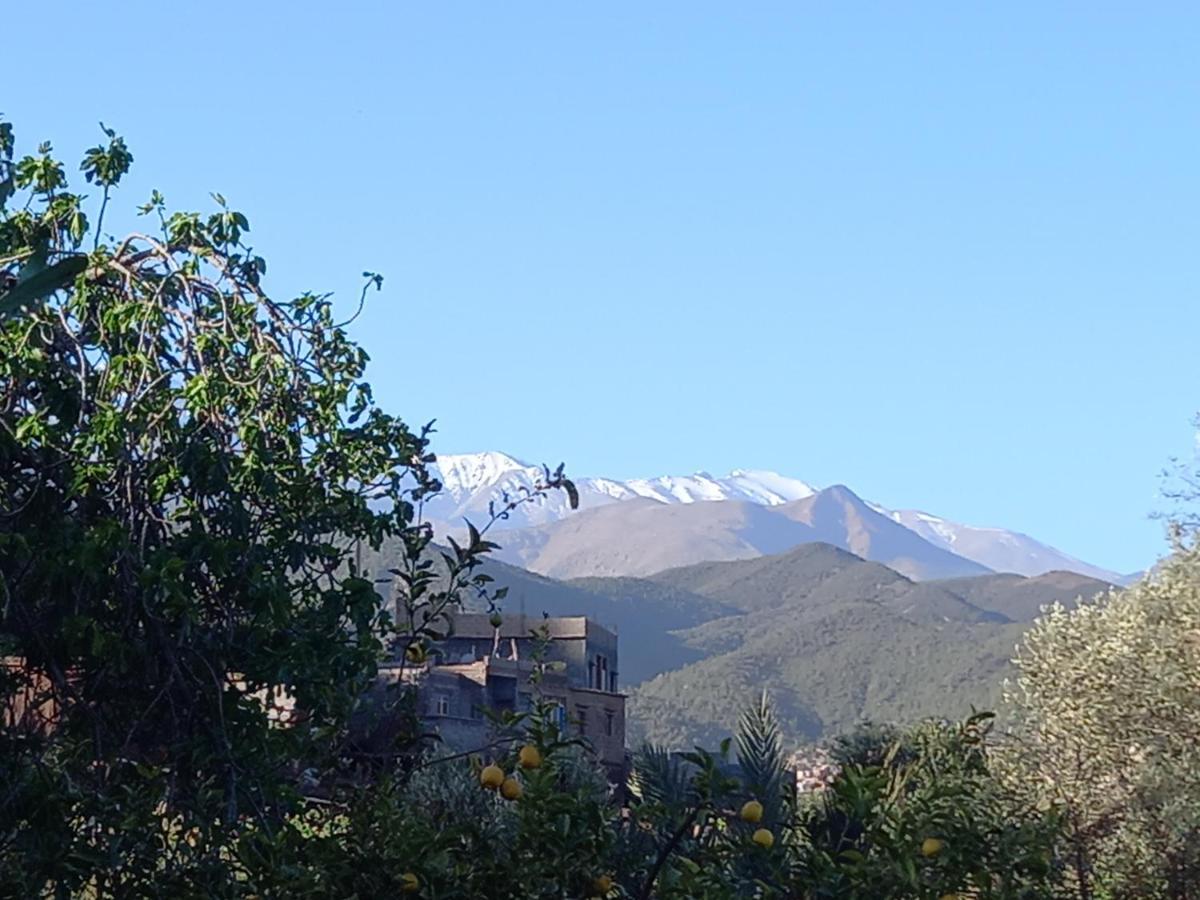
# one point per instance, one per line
(473, 481)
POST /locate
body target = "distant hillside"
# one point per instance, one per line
(1021, 599)
(639, 537)
(837, 639)
(814, 577)
(828, 671)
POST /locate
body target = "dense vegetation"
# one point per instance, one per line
(196, 493)
(836, 640)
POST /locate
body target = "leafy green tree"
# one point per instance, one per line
(186, 468)
(1107, 707)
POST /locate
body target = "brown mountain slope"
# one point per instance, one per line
(838, 516)
(640, 537)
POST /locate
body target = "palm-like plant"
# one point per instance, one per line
(761, 759)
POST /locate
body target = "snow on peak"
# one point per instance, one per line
(680, 489)
(465, 473)
(769, 488)
(471, 477)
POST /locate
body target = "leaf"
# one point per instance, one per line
(41, 285)
(572, 493)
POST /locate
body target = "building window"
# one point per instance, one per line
(442, 705)
(581, 715)
(608, 722)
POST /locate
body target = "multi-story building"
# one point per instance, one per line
(480, 667)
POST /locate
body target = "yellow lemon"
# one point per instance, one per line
(491, 777)
(603, 884)
(764, 838)
(932, 846)
(529, 757)
(410, 883)
(752, 812)
(511, 789)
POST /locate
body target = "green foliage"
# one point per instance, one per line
(1107, 713)
(459, 839)
(681, 834)
(934, 783)
(761, 760)
(187, 468)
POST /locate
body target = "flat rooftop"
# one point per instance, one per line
(478, 626)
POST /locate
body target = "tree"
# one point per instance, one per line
(186, 467)
(1107, 729)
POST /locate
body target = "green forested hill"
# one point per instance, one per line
(834, 638)
(1021, 598)
(828, 672)
(837, 639)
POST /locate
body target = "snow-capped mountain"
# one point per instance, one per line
(642, 537)
(472, 481)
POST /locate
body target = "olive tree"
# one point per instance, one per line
(1107, 728)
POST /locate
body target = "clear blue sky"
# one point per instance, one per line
(943, 254)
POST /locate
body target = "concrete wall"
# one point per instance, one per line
(600, 717)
